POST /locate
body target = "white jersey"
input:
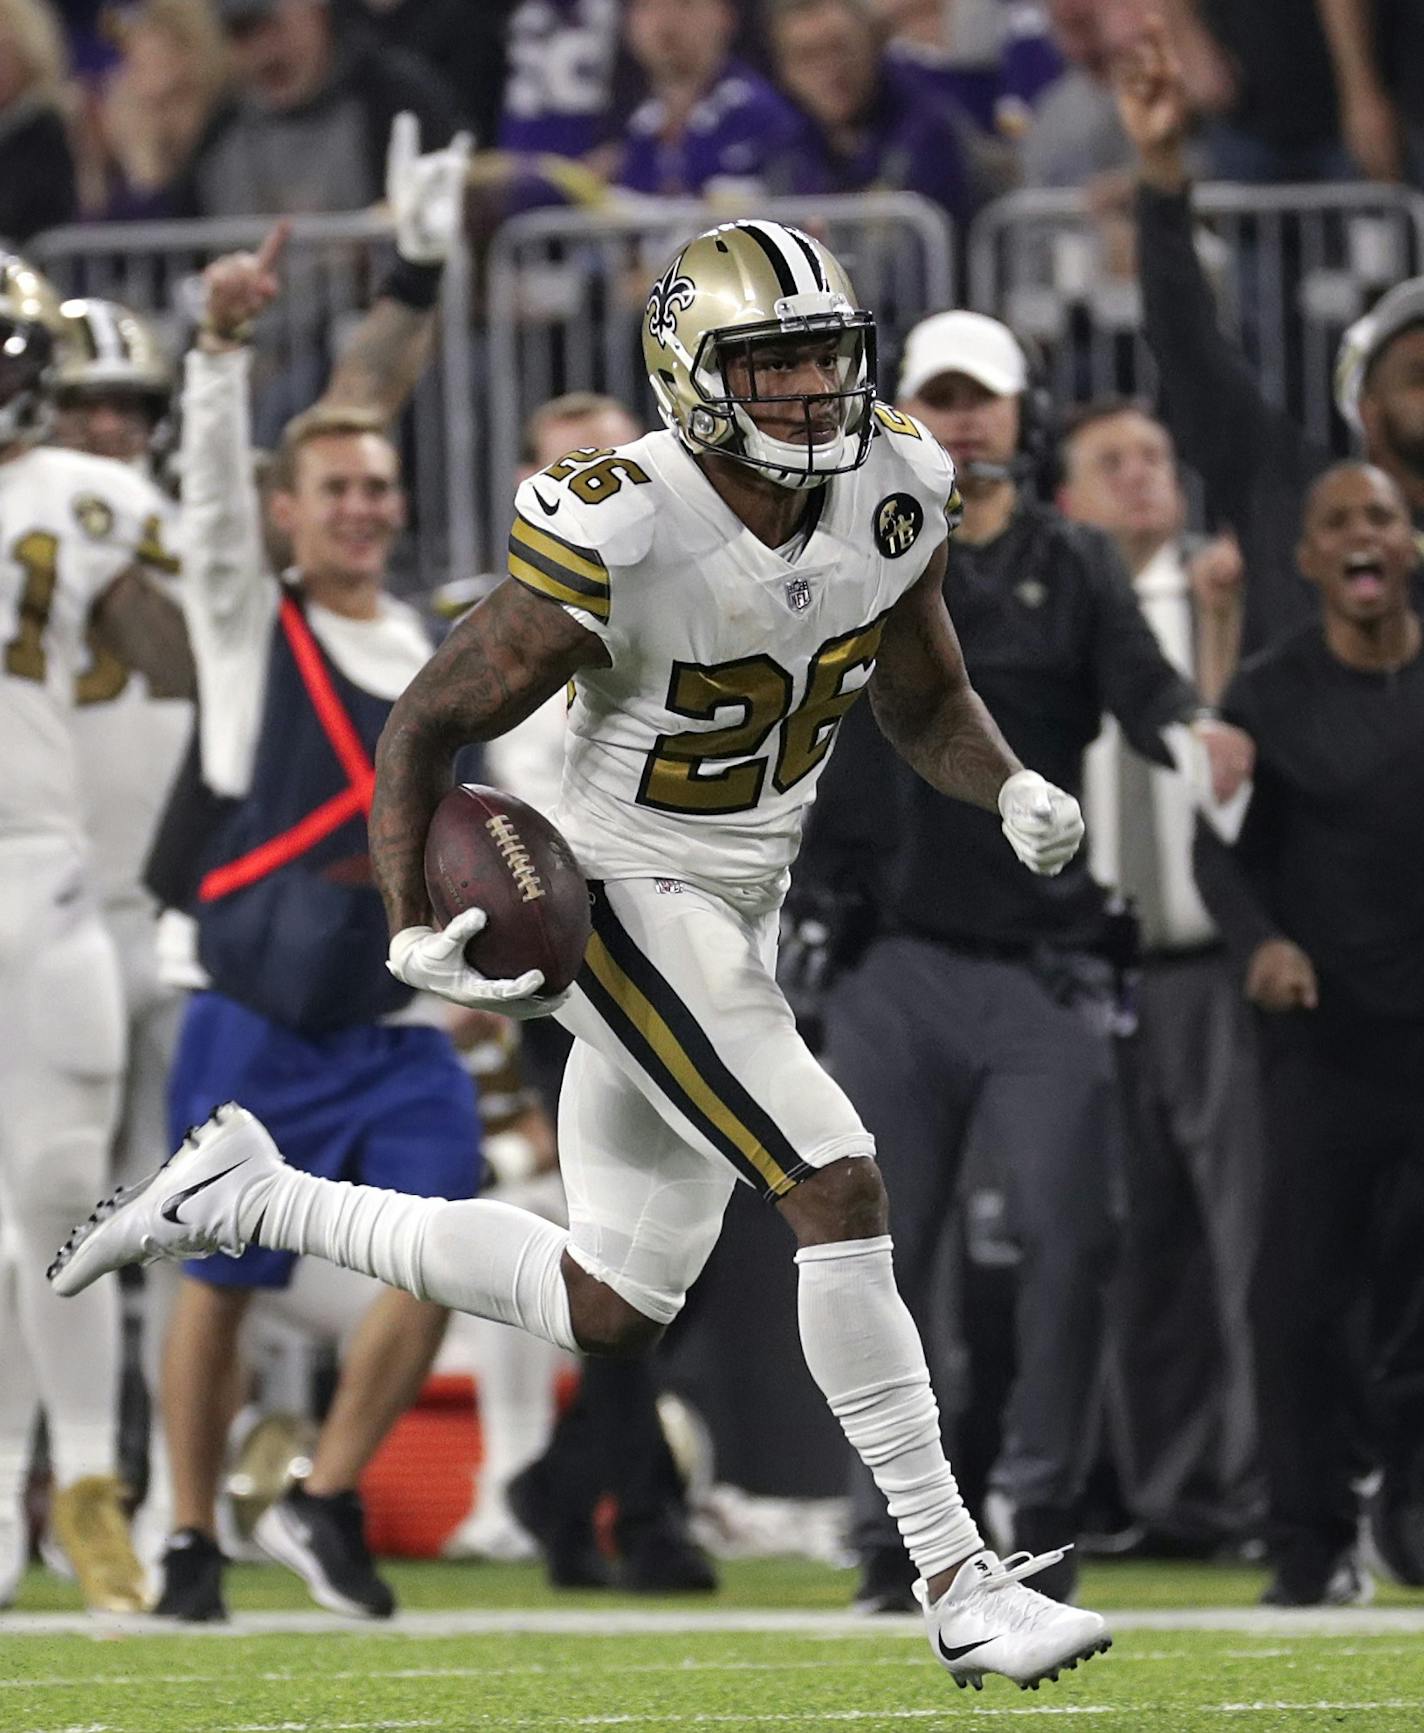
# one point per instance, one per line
(696, 754)
(69, 525)
(129, 742)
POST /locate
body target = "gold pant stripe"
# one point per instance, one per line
(650, 1024)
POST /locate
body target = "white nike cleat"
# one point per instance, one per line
(987, 1622)
(189, 1208)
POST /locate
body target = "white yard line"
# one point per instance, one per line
(810, 1717)
(566, 1668)
(658, 1621)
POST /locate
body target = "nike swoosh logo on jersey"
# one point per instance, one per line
(549, 509)
(173, 1204)
(963, 1649)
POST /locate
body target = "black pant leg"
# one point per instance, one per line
(1322, 1150)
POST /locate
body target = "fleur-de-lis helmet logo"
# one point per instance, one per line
(672, 294)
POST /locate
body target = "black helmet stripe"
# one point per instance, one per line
(780, 262)
(811, 255)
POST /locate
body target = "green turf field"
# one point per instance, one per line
(488, 1647)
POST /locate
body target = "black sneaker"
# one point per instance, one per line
(1314, 1576)
(323, 1540)
(565, 1535)
(887, 1582)
(1396, 1524)
(192, 1579)
(664, 1559)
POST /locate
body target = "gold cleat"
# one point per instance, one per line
(91, 1526)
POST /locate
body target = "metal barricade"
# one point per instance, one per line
(565, 292)
(331, 270)
(1292, 266)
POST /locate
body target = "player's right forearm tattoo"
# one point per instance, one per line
(502, 661)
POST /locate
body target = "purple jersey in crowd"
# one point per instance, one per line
(737, 131)
(910, 143)
(559, 88)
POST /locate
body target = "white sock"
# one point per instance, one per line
(72, 1345)
(19, 1394)
(864, 1351)
(480, 1257)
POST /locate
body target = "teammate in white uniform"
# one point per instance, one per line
(718, 593)
(71, 530)
(114, 398)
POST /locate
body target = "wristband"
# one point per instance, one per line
(413, 285)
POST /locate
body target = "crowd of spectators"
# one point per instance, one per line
(141, 108)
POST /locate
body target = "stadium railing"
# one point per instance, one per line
(554, 301)
(1292, 266)
(331, 269)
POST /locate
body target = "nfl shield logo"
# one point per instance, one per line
(798, 594)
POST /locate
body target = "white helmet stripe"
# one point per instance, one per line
(791, 262)
(104, 332)
(813, 258)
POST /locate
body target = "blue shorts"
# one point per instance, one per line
(387, 1105)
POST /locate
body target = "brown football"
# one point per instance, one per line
(487, 850)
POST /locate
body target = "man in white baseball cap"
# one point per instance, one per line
(968, 343)
(967, 377)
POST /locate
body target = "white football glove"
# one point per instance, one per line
(426, 193)
(1044, 825)
(433, 961)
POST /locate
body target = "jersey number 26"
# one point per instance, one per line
(679, 774)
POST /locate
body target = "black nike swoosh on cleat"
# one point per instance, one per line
(172, 1205)
(963, 1650)
(550, 509)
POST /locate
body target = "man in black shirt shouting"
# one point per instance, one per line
(1324, 900)
(1255, 460)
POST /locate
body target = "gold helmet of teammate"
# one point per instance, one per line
(115, 354)
(33, 337)
(764, 299)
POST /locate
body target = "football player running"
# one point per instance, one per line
(718, 594)
(72, 533)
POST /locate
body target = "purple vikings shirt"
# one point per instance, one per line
(910, 143)
(558, 92)
(735, 133)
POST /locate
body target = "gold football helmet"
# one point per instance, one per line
(739, 289)
(116, 355)
(33, 335)
(113, 349)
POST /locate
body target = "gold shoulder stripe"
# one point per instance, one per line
(558, 588)
(583, 561)
(151, 552)
(545, 562)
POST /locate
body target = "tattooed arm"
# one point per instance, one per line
(498, 666)
(381, 366)
(136, 622)
(924, 703)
